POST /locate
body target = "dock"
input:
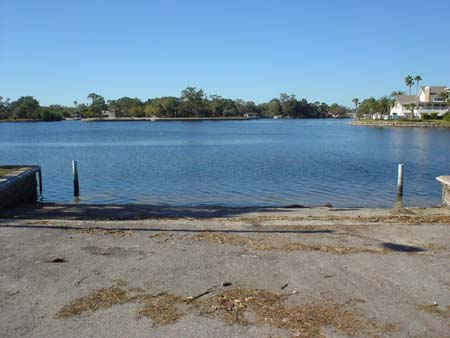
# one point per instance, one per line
(19, 184)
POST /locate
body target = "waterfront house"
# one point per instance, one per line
(428, 100)
(108, 114)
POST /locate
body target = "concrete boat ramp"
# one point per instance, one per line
(136, 271)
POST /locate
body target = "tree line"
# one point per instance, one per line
(192, 102)
(372, 106)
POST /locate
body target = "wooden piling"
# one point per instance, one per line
(76, 186)
(400, 181)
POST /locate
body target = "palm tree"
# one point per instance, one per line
(418, 78)
(398, 92)
(393, 102)
(445, 96)
(409, 81)
(411, 107)
(356, 102)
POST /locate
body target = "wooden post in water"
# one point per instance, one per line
(76, 187)
(400, 181)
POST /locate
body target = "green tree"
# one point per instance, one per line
(384, 105)
(126, 106)
(323, 109)
(288, 104)
(251, 108)
(417, 78)
(97, 104)
(445, 96)
(409, 81)
(367, 107)
(169, 106)
(337, 110)
(26, 107)
(240, 107)
(4, 108)
(230, 108)
(274, 107)
(411, 107)
(192, 101)
(52, 113)
(216, 105)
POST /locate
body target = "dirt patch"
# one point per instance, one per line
(340, 250)
(105, 232)
(234, 307)
(434, 309)
(407, 219)
(161, 235)
(221, 238)
(111, 251)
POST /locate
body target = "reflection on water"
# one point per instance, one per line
(233, 163)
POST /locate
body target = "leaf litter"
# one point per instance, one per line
(105, 232)
(221, 238)
(233, 306)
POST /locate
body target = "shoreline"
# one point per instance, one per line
(27, 120)
(169, 119)
(103, 212)
(166, 119)
(401, 124)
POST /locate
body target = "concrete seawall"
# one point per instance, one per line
(19, 185)
(445, 181)
(403, 124)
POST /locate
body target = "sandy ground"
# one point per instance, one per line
(254, 273)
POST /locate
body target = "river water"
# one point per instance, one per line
(232, 163)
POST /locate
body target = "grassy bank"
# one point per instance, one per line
(402, 123)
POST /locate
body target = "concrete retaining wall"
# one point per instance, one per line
(20, 185)
(445, 181)
(397, 123)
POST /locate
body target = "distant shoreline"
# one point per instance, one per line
(28, 120)
(168, 119)
(163, 119)
(402, 124)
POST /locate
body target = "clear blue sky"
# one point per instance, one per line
(322, 50)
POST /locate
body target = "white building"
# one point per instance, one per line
(427, 101)
(108, 114)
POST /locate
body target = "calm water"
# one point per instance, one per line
(233, 163)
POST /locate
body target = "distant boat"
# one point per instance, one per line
(153, 118)
(276, 117)
(76, 117)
